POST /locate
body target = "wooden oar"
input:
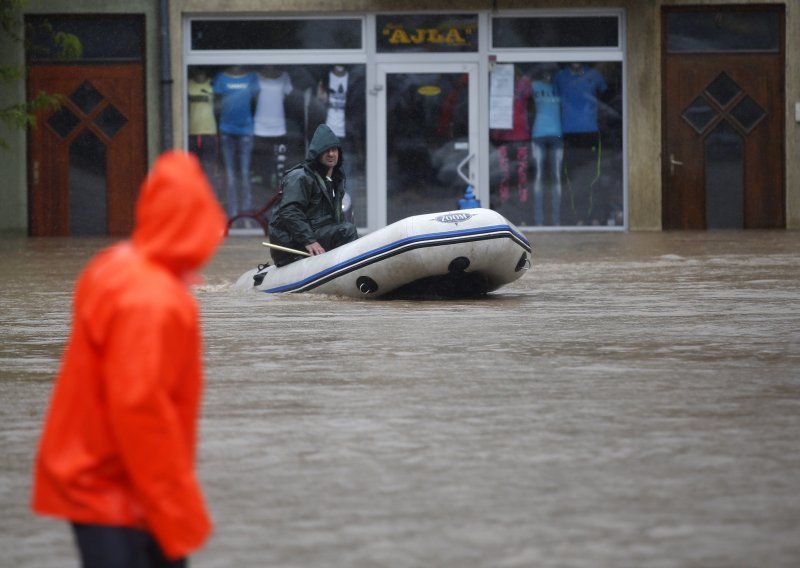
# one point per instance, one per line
(287, 249)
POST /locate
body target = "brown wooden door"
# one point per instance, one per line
(723, 146)
(88, 158)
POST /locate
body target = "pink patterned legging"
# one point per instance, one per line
(520, 154)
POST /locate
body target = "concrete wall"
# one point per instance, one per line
(13, 197)
(792, 126)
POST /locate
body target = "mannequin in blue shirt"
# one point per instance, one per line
(579, 87)
(236, 91)
(547, 146)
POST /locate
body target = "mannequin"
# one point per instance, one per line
(513, 143)
(270, 124)
(547, 146)
(334, 93)
(203, 140)
(579, 87)
(236, 90)
(342, 93)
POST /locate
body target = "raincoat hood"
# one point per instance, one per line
(323, 140)
(179, 222)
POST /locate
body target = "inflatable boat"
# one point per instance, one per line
(454, 254)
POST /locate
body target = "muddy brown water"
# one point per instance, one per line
(634, 400)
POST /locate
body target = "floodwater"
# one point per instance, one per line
(633, 401)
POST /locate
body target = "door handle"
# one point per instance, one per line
(672, 163)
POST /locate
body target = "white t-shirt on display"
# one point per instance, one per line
(337, 98)
(270, 117)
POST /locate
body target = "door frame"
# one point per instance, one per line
(756, 213)
(378, 205)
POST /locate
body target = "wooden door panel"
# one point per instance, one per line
(744, 90)
(106, 104)
(752, 105)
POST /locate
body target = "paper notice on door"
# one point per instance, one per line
(501, 96)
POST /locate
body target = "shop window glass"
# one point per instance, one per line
(280, 34)
(555, 32)
(433, 33)
(556, 148)
(427, 121)
(279, 107)
(719, 32)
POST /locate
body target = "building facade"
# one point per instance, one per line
(562, 115)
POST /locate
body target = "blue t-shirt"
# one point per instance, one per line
(579, 98)
(237, 92)
(548, 110)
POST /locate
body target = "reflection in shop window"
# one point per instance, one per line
(555, 32)
(556, 150)
(317, 33)
(102, 37)
(427, 137)
(276, 108)
(724, 31)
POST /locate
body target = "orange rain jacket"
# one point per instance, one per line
(119, 440)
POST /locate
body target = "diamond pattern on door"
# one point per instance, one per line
(110, 121)
(86, 97)
(63, 121)
(717, 96)
(699, 114)
(748, 113)
(723, 90)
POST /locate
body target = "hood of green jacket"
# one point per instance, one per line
(323, 140)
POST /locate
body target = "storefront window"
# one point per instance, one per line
(249, 124)
(556, 143)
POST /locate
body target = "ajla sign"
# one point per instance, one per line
(398, 35)
(435, 33)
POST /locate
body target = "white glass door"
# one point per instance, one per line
(427, 136)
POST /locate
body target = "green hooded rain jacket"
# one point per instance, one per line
(307, 210)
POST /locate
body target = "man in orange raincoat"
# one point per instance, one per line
(117, 455)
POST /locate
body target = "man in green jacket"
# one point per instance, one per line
(309, 214)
